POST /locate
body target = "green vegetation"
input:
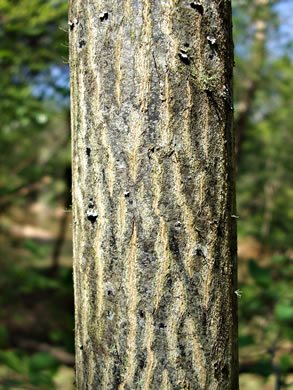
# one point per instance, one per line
(36, 331)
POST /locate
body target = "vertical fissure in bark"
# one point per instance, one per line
(153, 194)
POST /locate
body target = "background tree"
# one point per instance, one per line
(153, 195)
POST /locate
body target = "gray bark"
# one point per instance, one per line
(153, 194)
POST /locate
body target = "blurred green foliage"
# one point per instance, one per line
(37, 304)
(32, 44)
(264, 132)
(266, 317)
(36, 291)
(263, 95)
(37, 369)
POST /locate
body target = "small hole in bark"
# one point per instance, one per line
(110, 315)
(88, 152)
(197, 6)
(81, 347)
(126, 194)
(184, 58)
(141, 363)
(82, 43)
(198, 252)
(212, 40)
(186, 44)
(141, 314)
(103, 16)
(161, 325)
(92, 218)
(151, 151)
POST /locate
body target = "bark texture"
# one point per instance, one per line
(153, 194)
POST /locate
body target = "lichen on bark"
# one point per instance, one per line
(153, 194)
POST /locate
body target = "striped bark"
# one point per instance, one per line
(153, 194)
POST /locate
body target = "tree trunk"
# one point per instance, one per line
(153, 194)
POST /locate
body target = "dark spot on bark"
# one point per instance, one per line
(142, 363)
(112, 242)
(141, 314)
(117, 373)
(88, 151)
(82, 43)
(182, 350)
(81, 347)
(126, 194)
(225, 371)
(186, 44)
(103, 174)
(184, 58)
(92, 218)
(71, 26)
(104, 16)
(197, 6)
(204, 322)
(214, 46)
(174, 245)
(130, 202)
(199, 252)
(220, 231)
(110, 315)
(161, 325)
(216, 369)
(109, 292)
(177, 224)
(151, 151)
(91, 206)
(169, 281)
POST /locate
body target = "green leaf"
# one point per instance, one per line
(261, 275)
(284, 311)
(285, 363)
(246, 340)
(41, 379)
(263, 368)
(287, 332)
(32, 246)
(56, 335)
(12, 360)
(3, 335)
(279, 259)
(42, 361)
